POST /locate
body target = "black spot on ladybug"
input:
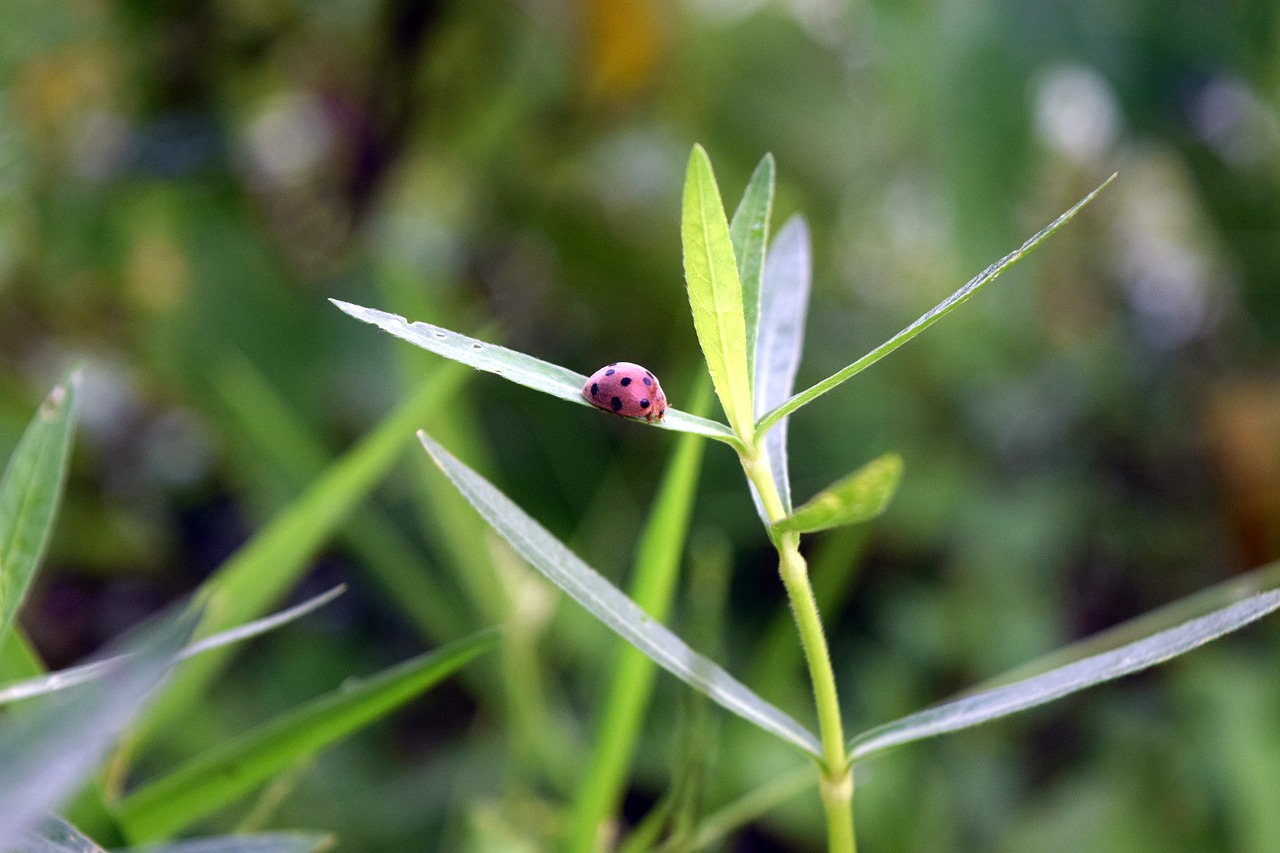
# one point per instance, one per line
(617, 403)
(610, 372)
(626, 380)
(647, 373)
(646, 381)
(595, 390)
(644, 404)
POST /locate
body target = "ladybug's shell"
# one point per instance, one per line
(626, 389)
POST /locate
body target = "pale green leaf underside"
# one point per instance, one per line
(52, 682)
(1156, 645)
(49, 748)
(30, 492)
(749, 234)
(859, 497)
(934, 314)
(236, 767)
(55, 835)
(784, 305)
(269, 842)
(715, 293)
(608, 604)
(515, 366)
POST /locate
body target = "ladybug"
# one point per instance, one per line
(627, 390)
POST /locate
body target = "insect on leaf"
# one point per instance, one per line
(515, 366)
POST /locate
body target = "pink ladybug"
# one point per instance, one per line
(628, 390)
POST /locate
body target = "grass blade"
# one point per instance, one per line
(234, 769)
(749, 234)
(1132, 647)
(259, 573)
(52, 682)
(515, 366)
(934, 314)
(296, 456)
(715, 293)
(604, 601)
(784, 304)
(657, 569)
(30, 492)
(48, 749)
(859, 497)
(269, 842)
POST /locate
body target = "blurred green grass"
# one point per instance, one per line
(182, 186)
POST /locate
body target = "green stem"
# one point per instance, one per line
(837, 772)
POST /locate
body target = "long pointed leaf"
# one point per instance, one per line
(749, 233)
(30, 491)
(268, 842)
(859, 497)
(934, 314)
(49, 748)
(1155, 646)
(52, 682)
(784, 304)
(604, 601)
(516, 366)
(235, 768)
(715, 293)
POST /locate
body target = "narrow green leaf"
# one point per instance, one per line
(55, 835)
(258, 574)
(859, 497)
(1253, 597)
(656, 571)
(270, 842)
(604, 601)
(49, 748)
(784, 303)
(296, 455)
(934, 314)
(18, 660)
(30, 491)
(52, 682)
(237, 767)
(715, 293)
(516, 366)
(749, 233)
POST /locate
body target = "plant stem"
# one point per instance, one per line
(837, 772)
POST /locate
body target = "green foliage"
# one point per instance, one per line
(29, 494)
(653, 588)
(933, 315)
(210, 781)
(859, 497)
(715, 293)
(749, 234)
(608, 604)
(49, 748)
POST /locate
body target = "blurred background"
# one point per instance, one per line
(182, 185)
